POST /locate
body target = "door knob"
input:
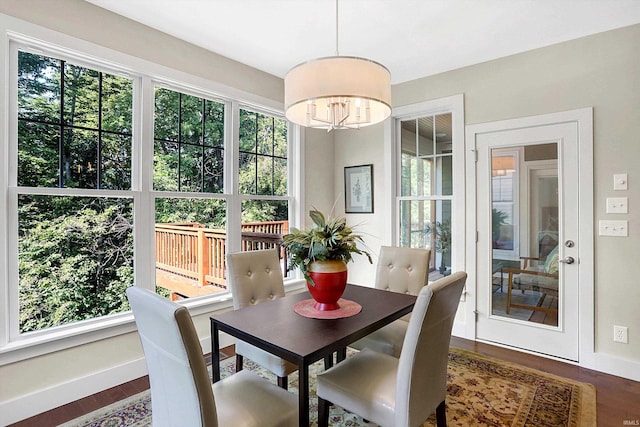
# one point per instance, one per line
(568, 260)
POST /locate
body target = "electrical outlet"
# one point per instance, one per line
(621, 334)
(617, 205)
(617, 228)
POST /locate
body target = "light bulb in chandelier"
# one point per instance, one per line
(338, 92)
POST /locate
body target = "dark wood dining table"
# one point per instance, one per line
(275, 327)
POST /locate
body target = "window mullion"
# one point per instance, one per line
(99, 150)
(231, 181)
(202, 141)
(179, 141)
(142, 183)
(61, 135)
(255, 191)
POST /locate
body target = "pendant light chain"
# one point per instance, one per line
(337, 52)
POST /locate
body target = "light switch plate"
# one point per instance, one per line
(618, 228)
(620, 181)
(617, 205)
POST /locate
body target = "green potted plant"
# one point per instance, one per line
(498, 218)
(322, 254)
(442, 234)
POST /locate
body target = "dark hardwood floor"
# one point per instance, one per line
(618, 399)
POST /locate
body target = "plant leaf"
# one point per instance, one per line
(317, 218)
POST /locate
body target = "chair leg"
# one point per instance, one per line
(283, 382)
(441, 415)
(323, 412)
(239, 362)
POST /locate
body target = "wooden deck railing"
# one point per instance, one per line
(198, 254)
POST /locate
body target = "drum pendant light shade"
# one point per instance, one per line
(337, 92)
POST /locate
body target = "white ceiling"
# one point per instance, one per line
(413, 38)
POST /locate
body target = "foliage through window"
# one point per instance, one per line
(262, 180)
(188, 156)
(263, 154)
(79, 188)
(189, 143)
(74, 132)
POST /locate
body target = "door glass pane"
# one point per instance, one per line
(525, 279)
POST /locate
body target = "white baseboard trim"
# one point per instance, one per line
(34, 403)
(43, 400)
(617, 366)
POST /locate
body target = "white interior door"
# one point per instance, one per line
(527, 207)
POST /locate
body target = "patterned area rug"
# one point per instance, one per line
(481, 392)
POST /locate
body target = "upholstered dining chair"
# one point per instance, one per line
(181, 390)
(400, 392)
(256, 277)
(404, 270)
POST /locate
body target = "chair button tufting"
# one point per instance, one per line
(249, 273)
(409, 268)
(406, 292)
(390, 266)
(253, 301)
(387, 288)
(268, 270)
(271, 296)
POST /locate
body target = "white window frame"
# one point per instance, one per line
(16, 35)
(454, 105)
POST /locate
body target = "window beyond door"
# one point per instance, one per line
(426, 188)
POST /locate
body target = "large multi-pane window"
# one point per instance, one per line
(74, 201)
(79, 191)
(426, 187)
(188, 157)
(262, 181)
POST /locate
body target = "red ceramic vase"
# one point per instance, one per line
(330, 278)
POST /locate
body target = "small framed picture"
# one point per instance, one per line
(358, 189)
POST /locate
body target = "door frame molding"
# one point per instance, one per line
(586, 305)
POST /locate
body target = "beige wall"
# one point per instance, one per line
(600, 71)
(319, 176)
(354, 148)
